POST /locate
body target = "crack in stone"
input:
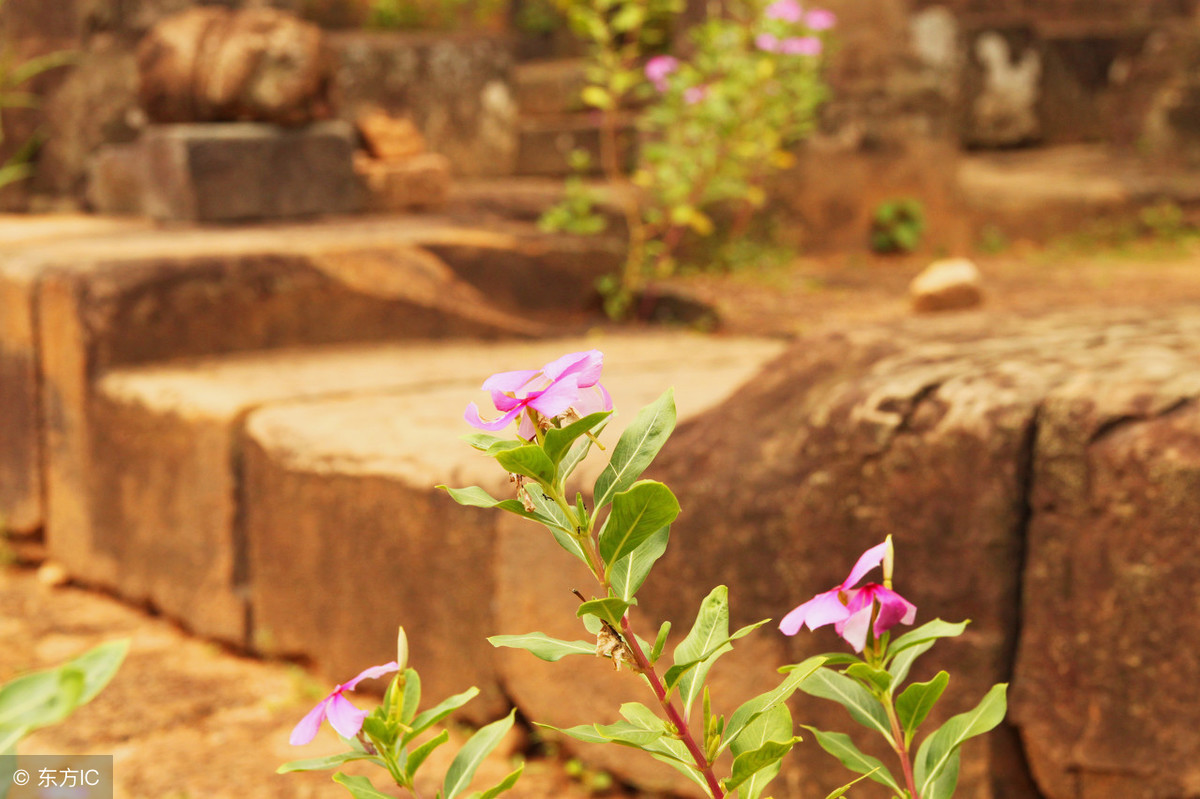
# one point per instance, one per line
(1111, 426)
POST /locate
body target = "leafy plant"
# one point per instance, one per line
(713, 126)
(897, 225)
(14, 75)
(398, 738)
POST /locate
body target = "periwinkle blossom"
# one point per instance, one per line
(570, 383)
(339, 711)
(786, 10)
(658, 68)
(767, 42)
(820, 19)
(801, 45)
(694, 94)
(849, 609)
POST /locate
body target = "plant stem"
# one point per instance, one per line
(668, 706)
(899, 747)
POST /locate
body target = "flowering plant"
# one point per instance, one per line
(715, 125)
(621, 535)
(397, 738)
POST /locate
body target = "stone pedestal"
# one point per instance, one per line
(230, 172)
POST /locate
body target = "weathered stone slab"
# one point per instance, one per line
(339, 494)
(942, 427)
(20, 373)
(243, 171)
(1106, 674)
(419, 182)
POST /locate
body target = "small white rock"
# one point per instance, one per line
(52, 574)
(947, 285)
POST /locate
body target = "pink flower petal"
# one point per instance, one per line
(372, 673)
(585, 365)
(801, 45)
(306, 730)
(555, 400)
(767, 42)
(893, 609)
(344, 716)
(593, 400)
(822, 609)
(867, 561)
(820, 19)
(854, 628)
(786, 10)
(473, 418)
(508, 382)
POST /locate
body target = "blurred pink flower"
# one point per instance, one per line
(786, 10)
(658, 68)
(570, 382)
(767, 42)
(849, 609)
(341, 713)
(694, 94)
(801, 45)
(820, 19)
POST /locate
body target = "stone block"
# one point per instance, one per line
(419, 182)
(549, 87)
(389, 138)
(1105, 682)
(244, 171)
(116, 180)
(414, 74)
(546, 144)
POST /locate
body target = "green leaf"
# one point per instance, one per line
(327, 762)
(928, 631)
(939, 748)
(842, 747)
(418, 756)
(427, 718)
(611, 609)
(636, 448)
(751, 709)
(901, 664)
(462, 768)
(775, 725)
(543, 646)
(660, 641)
(943, 787)
(710, 629)
(530, 460)
(485, 443)
(9, 737)
(99, 665)
(918, 699)
(412, 696)
(559, 440)
(629, 734)
(359, 787)
(869, 674)
(767, 756)
(678, 671)
(629, 572)
(637, 514)
(47, 697)
(504, 785)
(858, 701)
(597, 97)
(555, 520)
(476, 497)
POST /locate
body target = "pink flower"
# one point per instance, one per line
(658, 68)
(849, 609)
(570, 383)
(767, 42)
(820, 19)
(800, 45)
(694, 94)
(786, 10)
(342, 715)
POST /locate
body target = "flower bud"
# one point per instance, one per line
(402, 650)
(889, 558)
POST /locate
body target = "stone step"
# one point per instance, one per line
(239, 494)
(76, 307)
(549, 87)
(545, 143)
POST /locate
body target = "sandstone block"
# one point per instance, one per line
(243, 171)
(413, 74)
(415, 183)
(116, 181)
(947, 285)
(389, 138)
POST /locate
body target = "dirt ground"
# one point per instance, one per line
(188, 720)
